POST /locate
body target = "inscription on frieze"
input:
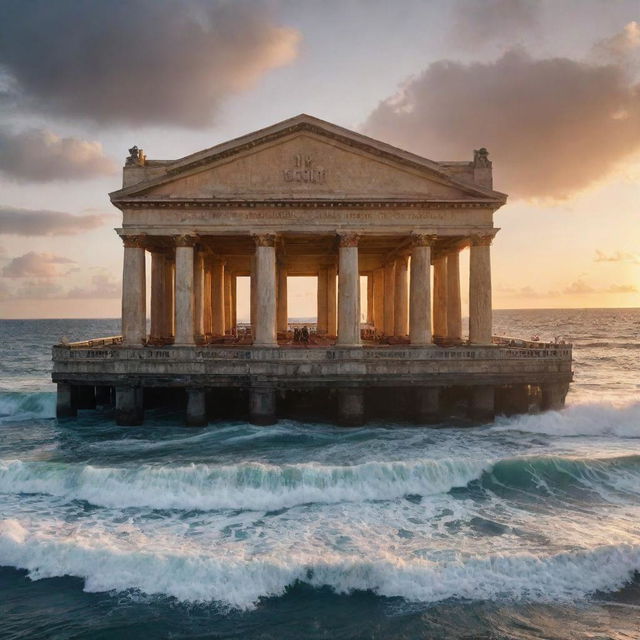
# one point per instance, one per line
(303, 170)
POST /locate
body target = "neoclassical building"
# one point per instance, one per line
(308, 198)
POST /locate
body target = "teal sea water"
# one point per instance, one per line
(525, 528)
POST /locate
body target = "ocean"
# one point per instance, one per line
(528, 527)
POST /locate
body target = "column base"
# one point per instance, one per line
(482, 403)
(351, 407)
(66, 406)
(196, 408)
(427, 404)
(262, 406)
(129, 407)
(553, 396)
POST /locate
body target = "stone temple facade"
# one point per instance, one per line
(308, 198)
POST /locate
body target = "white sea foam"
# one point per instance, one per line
(586, 419)
(19, 406)
(236, 579)
(242, 486)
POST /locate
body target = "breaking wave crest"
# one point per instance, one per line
(18, 406)
(241, 582)
(252, 486)
(262, 487)
(587, 420)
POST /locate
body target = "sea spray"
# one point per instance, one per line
(18, 406)
(581, 420)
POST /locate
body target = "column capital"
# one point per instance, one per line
(348, 239)
(134, 242)
(482, 239)
(265, 239)
(423, 239)
(185, 240)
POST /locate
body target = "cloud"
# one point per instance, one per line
(143, 63)
(578, 287)
(553, 126)
(621, 288)
(37, 290)
(102, 286)
(40, 155)
(477, 23)
(32, 264)
(618, 256)
(619, 46)
(36, 222)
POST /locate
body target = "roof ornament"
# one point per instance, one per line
(136, 157)
(481, 158)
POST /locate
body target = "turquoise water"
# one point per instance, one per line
(525, 528)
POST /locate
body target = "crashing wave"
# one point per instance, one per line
(241, 582)
(251, 485)
(18, 406)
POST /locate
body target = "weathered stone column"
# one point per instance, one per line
(252, 297)
(553, 395)
(265, 295)
(283, 301)
(378, 300)
(454, 307)
(389, 298)
(348, 292)
(420, 298)
(66, 405)
(350, 406)
(332, 301)
(217, 296)
(440, 297)
(134, 321)
(169, 313)
(234, 302)
(129, 406)
(198, 294)
(196, 408)
(400, 306)
(480, 312)
(427, 408)
(322, 302)
(227, 302)
(184, 290)
(482, 402)
(207, 320)
(370, 298)
(262, 405)
(158, 269)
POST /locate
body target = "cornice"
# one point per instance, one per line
(205, 203)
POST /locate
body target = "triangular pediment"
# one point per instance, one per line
(305, 158)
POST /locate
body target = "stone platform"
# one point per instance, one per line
(347, 385)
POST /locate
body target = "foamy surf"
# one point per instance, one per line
(240, 581)
(18, 406)
(253, 486)
(579, 420)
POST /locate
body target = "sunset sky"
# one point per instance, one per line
(550, 87)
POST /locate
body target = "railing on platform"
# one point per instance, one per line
(501, 341)
(507, 341)
(96, 342)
